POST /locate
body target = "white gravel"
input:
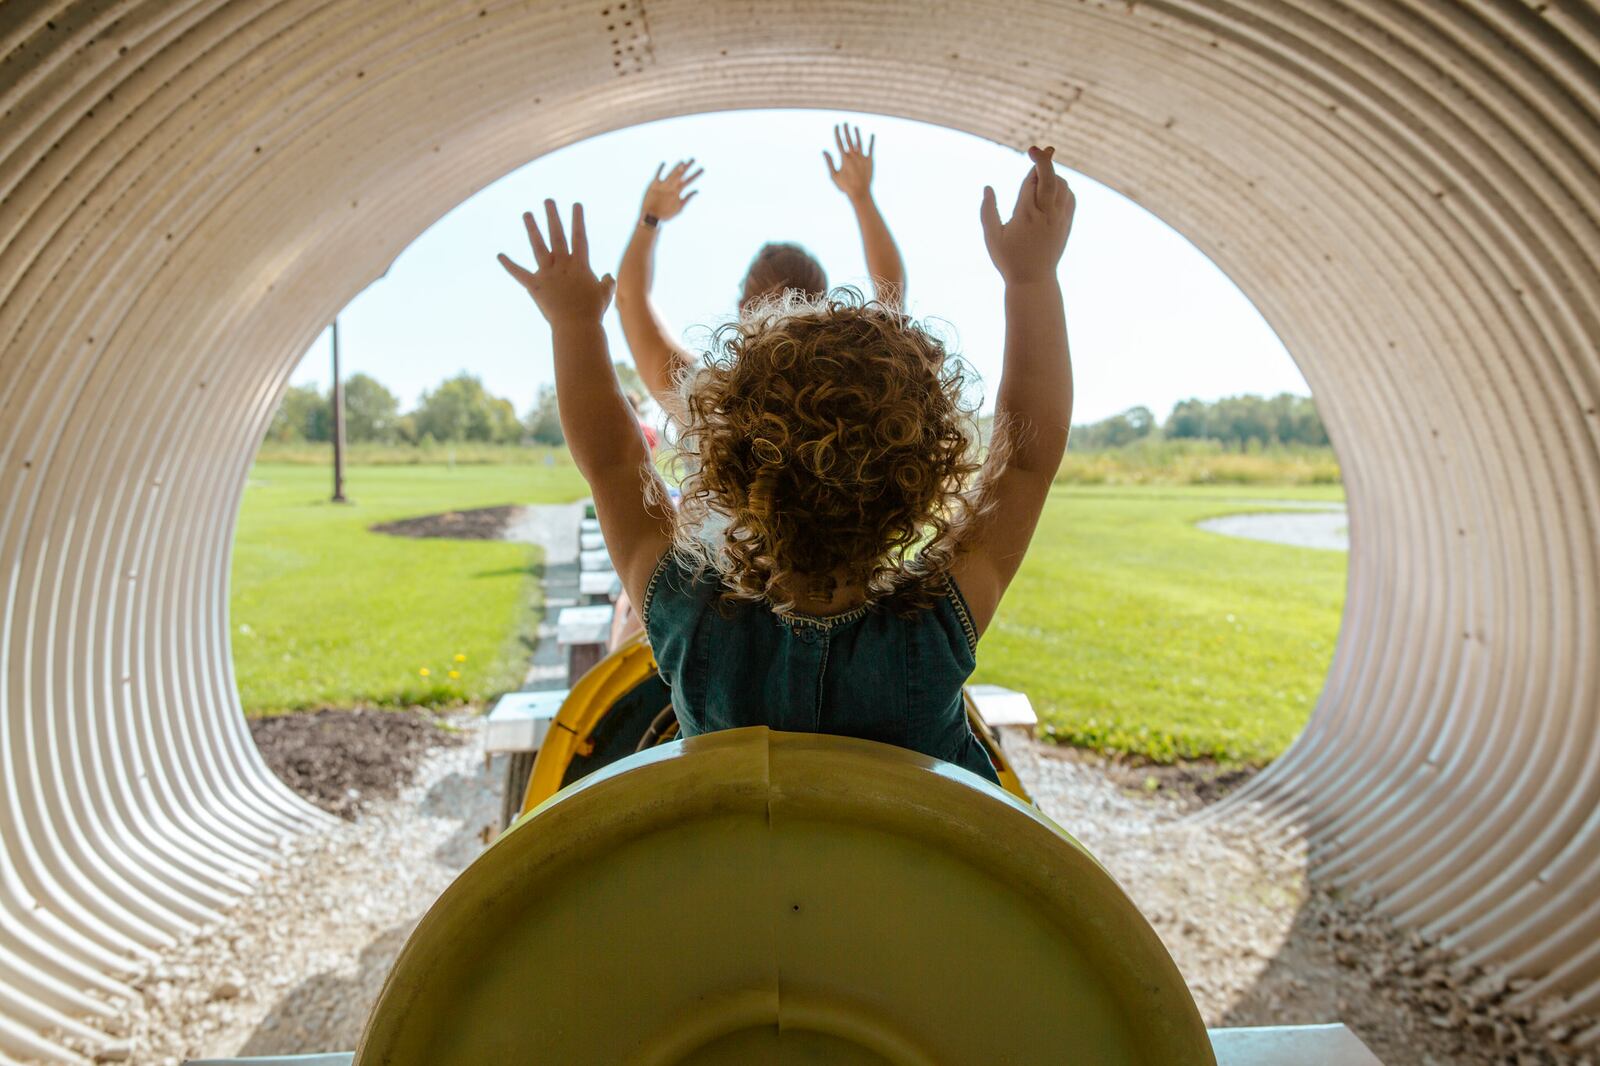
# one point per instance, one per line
(1260, 944)
(296, 966)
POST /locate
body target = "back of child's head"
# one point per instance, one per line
(826, 443)
(781, 268)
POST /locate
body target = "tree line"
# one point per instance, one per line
(459, 409)
(1235, 421)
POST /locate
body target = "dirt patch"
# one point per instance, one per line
(344, 760)
(1192, 784)
(482, 523)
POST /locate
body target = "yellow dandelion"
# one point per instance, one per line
(460, 658)
(424, 671)
(455, 675)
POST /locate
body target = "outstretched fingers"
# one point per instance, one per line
(558, 233)
(849, 141)
(541, 252)
(580, 235)
(1044, 175)
(523, 277)
(1027, 195)
(989, 216)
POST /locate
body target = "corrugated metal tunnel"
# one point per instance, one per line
(189, 189)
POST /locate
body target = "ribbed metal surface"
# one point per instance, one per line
(1407, 189)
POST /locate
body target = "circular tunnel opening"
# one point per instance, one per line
(1405, 190)
(1187, 407)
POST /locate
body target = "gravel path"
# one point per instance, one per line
(554, 527)
(295, 967)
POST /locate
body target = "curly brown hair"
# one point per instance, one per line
(825, 444)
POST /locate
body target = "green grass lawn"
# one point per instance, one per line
(325, 613)
(1133, 631)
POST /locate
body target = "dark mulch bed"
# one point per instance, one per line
(1194, 784)
(343, 760)
(483, 523)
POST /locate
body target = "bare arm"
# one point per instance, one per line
(853, 176)
(1033, 405)
(601, 430)
(656, 355)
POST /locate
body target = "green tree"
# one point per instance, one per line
(1135, 423)
(371, 412)
(1189, 419)
(504, 425)
(302, 415)
(544, 421)
(461, 409)
(1236, 421)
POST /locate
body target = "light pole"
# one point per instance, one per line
(338, 420)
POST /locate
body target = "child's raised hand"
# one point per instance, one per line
(1028, 247)
(564, 286)
(853, 175)
(664, 197)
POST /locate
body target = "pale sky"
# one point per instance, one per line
(1151, 320)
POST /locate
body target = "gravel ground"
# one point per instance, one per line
(1259, 944)
(295, 967)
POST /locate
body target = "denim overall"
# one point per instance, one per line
(870, 673)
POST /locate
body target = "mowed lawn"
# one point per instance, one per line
(326, 613)
(1134, 631)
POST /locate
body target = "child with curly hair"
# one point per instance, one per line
(839, 549)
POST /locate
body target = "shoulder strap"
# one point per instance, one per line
(662, 566)
(964, 613)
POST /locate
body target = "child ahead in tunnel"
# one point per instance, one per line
(777, 268)
(840, 548)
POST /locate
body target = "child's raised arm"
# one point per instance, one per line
(658, 357)
(853, 177)
(601, 429)
(1033, 406)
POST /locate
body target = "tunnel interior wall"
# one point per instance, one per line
(1406, 188)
